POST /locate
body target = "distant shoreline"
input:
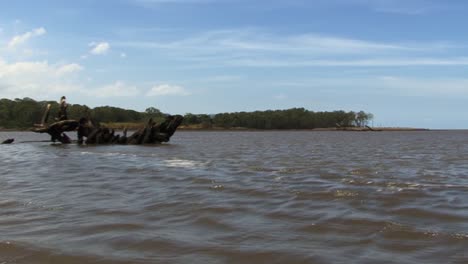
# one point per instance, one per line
(234, 129)
(331, 129)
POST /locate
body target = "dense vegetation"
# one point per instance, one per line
(23, 113)
(295, 118)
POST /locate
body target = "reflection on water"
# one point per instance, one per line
(238, 197)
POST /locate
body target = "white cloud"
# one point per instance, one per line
(117, 89)
(99, 48)
(31, 68)
(166, 89)
(123, 55)
(37, 79)
(69, 68)
(21, 39)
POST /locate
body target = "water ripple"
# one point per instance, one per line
(238, 197)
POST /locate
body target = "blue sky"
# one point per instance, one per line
(404, 61)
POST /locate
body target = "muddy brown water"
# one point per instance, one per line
(238, 197)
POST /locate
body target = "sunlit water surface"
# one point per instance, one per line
(238, 197)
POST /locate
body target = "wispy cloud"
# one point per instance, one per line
(253, 40)
(99, 48)
(387, 62)
(383, 86)
(397, 7)
(21, 39)
(167, 89)
(68, 69)
(257, 48)
(440, 87)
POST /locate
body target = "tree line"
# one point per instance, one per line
(295, 118)
(23, 113)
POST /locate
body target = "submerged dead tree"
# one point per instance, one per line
(151, 133)
(8, 141)
(57, 130)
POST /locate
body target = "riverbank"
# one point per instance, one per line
(371, 129)
(136, 126)
(346, 129)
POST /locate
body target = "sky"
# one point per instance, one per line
(405, 61)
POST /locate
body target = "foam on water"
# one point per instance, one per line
(180, 163)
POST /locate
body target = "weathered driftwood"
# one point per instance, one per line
(8, 141)
(151, 133)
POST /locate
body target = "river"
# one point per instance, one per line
(238, 197)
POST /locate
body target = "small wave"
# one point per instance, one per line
(183, 163)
